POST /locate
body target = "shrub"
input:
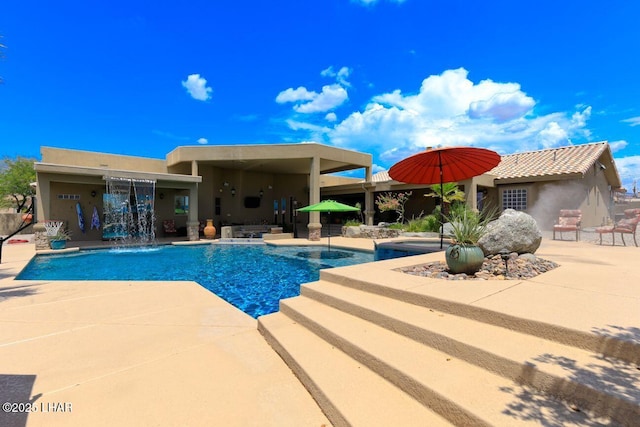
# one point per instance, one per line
(427, 223)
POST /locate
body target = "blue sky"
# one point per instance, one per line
(387, 77)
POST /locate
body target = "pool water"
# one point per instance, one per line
(254, 278)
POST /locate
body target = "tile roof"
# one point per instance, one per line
(381, 177)
(572, 159)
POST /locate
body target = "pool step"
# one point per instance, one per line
(348, 392)
(467, 371)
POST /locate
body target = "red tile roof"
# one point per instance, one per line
(573, 159)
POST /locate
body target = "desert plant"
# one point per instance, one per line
(393, 202)
(61, 234)
(352, 223)
(468, 226)
(423, 224)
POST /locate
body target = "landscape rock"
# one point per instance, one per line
(514, 231)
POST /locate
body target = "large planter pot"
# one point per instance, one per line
(58, 244)
(464, 258)
(209, 230)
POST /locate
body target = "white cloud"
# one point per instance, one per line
(377, 168)
(295, 95)
(552, 135)
(451, 110)
(633, 121)
(332, 96)
(502, 107)
(331, 117)
(341, 75)
(618, 145)
(197, 87)
(307, 102)
(203, 141)
(629, 170)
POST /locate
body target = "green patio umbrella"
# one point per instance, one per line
(329, 206)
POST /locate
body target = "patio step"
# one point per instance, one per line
(584, 378)
(624, 346)
(348, 392)
(468, 371)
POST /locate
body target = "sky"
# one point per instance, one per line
(385, 77)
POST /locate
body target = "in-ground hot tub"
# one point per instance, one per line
(402, 248)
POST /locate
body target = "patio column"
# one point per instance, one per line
(471, 193)
(314, 226)
(193, 225)
(43, 206)
(369, 207)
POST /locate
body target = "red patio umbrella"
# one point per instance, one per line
(447, 164)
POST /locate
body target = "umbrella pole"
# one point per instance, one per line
(441, 201)
(329, 237)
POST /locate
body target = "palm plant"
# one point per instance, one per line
(448, 192)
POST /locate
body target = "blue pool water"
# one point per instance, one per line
(251, 277)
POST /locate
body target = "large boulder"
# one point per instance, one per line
(514, 232)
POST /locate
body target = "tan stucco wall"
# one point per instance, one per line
(590, 194)
(65, 209)
(101, 160)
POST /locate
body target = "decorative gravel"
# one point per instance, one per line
(523, 266)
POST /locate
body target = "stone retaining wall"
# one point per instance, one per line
(369, 232)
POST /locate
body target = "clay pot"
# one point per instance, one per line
(209, 230)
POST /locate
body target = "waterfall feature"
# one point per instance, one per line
(129, 216)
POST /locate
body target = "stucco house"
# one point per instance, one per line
(253, 184)
(537, 182)
(241, 184)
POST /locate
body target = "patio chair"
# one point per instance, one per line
(169, 227)
(569, 220)
(627, 225)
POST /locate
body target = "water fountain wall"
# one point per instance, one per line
(144, 191)
(129, 220)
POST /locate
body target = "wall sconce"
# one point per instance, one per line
(233, 191)
(261, 193)
(93, 193)
(226, 184)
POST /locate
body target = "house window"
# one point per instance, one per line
(68, 196)
(181, 206)
(514, 199)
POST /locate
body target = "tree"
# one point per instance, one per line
(393, 202)
(16, 176)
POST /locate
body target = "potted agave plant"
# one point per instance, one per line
(467, 227)
(59, 240)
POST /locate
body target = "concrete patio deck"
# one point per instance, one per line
(172, 353)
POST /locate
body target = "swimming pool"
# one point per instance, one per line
(254, 278)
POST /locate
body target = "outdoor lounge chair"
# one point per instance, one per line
(169, 227)
(569, 220)
(627, 225)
